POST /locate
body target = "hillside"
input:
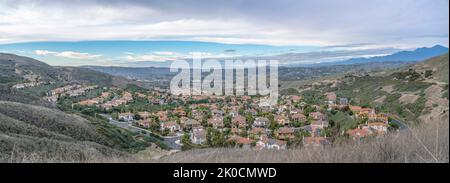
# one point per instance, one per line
(47, 132)
(16, 69)
(414, 93)
(438, 67)
(53, 135)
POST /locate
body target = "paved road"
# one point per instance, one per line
(172, 141)
(401, 125)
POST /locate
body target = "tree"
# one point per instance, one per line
(249, 119)
(309, 109)
(333, 111)
(115, 115)
(227, 121)
(241, 111)
(204, 122)
(244, 133)
(137, 116)
(186, 141)
(296, 123)
(215, 138)
(155, 126)
(273, 125)
(166, 132)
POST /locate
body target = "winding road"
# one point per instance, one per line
(171, 141)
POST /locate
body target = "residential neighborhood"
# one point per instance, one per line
(210, 121)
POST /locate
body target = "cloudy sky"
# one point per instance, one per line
(239, 27)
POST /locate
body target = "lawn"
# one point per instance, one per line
(342, 120)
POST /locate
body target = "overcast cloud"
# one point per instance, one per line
(382, 23)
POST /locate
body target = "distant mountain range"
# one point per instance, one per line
(418, 54)
(308, 59)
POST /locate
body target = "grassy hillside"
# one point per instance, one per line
(39, 134)
(16, 69)
(415, 93)
(28, 129)
(437, 66)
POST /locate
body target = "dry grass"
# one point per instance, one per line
(423, 144)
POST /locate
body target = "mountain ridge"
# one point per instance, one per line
(407, 56)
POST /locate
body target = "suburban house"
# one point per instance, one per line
(127, 96)
(284, 133)
(172, 126)
(282, 120)
(128, 116)
(358, 133)
(315, 141)
(197, 114)
(257, 132)
(162, 115)
(234, 112)
(217, 112)
(268, 143)
(372, 117)
(295, 98)
(276, 144)
(235, 130)
(216, 121)
(330, 98)
(261, 122)
(313, 130)
(319, 124)
(190, 123)
(51, 99)
(296, 111)
(298, 117)
(26, 85)
(180, 112)
(141, 95)
(239, 121)
(378, 127)
(253, 112)
(242, 141)
(361, 112)
(317, 116)
(157, 101)
(88, 102)
(343, 101)
(144, 115)
(144, 123)
(198, 135)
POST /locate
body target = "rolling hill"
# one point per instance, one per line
(414, 93)
(32, 129)
(48, 133)
(52, 135)
(16, 69)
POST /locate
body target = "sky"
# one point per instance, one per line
(107, 32)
